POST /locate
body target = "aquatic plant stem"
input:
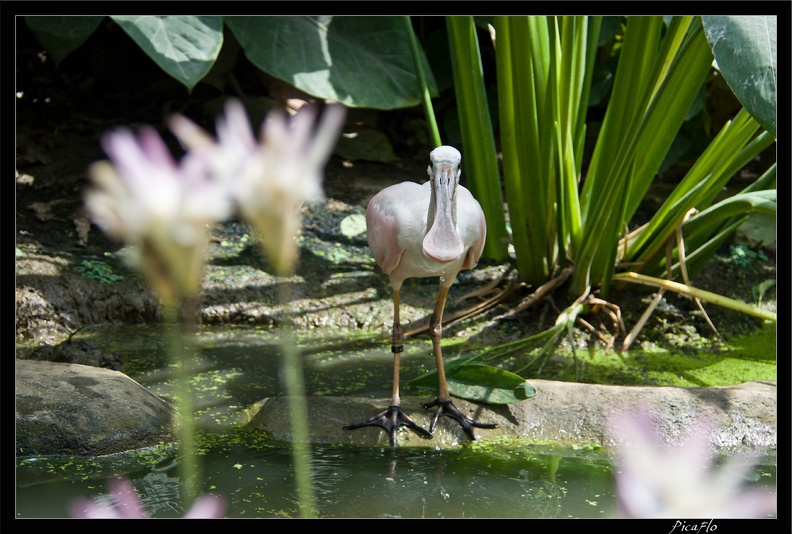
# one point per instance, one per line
(181, 358)
(714, 298)
(295, 391)
(426, 97)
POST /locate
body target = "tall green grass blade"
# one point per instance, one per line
(766, 181)
(513, 184)
(592, 36)
(528, 43)
(683, 72)
(677, 69)
(731, 150)
(731, 166)
(614, 150)
(478, 141)
(571, 85)
(640, 41)
(707, 230)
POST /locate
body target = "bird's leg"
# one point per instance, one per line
(443, 400)
(392, 418)
(397, 347)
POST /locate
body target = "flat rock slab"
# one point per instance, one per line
(71, 409)
(561, 413)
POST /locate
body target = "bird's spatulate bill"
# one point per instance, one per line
(442, 242)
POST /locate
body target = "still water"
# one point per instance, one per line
(256, 478)
(371, 483)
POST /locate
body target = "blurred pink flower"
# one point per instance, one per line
(144, 197)
(228, 157)
(124, 503)
(657, 480)
(268, 179)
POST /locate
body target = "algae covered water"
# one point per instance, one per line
(258, 482)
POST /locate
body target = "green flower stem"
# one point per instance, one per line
(295, 390)
(182, 361)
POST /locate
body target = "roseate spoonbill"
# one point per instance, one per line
(434, 229)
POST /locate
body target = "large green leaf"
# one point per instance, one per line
(185, 47)
(359, 61)
(745, 50)
(481, 383)
(63, 34)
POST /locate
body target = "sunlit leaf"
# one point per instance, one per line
(745, 49)
(359, 61)
(185, 47)
(62, 34)
(480, 383)
(353, 225)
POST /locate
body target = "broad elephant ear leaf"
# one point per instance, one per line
(185, 47)
(358, 61)
(61, 35)
(745, 50)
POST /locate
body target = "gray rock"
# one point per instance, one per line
(81, 351)
(70, 409)
(564, 414)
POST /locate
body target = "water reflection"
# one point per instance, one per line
(410, 483)
(368, 483)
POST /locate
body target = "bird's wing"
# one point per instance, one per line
(382, 232)
(474, 252)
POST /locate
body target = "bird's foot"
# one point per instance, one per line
(448, 409)
(391, 419)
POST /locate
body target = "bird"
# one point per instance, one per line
(434, 229)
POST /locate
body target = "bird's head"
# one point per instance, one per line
(444, 170)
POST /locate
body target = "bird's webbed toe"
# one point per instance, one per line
(390, 420)
(447, 409)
